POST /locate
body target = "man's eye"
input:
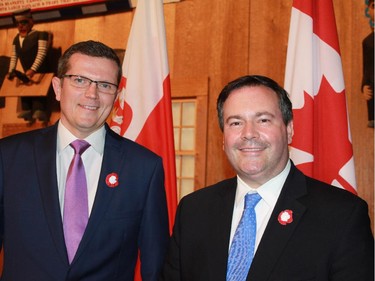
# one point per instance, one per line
(104, 86)
(79, 80)
(235, 123)
(264, 120)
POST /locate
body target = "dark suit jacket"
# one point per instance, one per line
(124, 218)
(329, 239)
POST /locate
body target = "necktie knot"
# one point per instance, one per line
(79, 146)
(251, 199)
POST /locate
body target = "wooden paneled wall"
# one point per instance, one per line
(223, 40)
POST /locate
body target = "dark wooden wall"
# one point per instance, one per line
(222, 40)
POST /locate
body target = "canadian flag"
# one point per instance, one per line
(321, 146)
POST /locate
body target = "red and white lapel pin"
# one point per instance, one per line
(112, 180)
(285, 217)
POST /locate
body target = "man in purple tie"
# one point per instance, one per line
(270, 222)
(78, 201)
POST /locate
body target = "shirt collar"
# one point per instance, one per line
(269, 191)
(65, 137)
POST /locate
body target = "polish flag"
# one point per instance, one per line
(143, 109)
(321, 146)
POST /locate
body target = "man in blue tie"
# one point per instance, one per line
(78, 201)
(296, 228)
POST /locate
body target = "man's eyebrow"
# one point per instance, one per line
(235, 116)
(257, 114)
(262, 113)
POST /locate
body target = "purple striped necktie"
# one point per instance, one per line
(75, 203)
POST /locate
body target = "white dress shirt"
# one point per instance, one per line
(92, 160)
(269, 192)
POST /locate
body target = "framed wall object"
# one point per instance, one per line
(53, 10)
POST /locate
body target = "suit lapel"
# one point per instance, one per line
(219, 241)
(45, 149)
(276, 235)
(113, 158)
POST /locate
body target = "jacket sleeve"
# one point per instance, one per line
(354, 258)
(154, 229)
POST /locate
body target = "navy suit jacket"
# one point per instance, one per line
(126, 219)
(329, 238)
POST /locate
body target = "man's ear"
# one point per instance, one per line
(57, 85)
(290, 131)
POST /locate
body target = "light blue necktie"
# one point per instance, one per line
(242, 249)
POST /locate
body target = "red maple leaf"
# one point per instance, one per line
(321, 129)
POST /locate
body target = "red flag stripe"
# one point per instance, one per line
(161, 118)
